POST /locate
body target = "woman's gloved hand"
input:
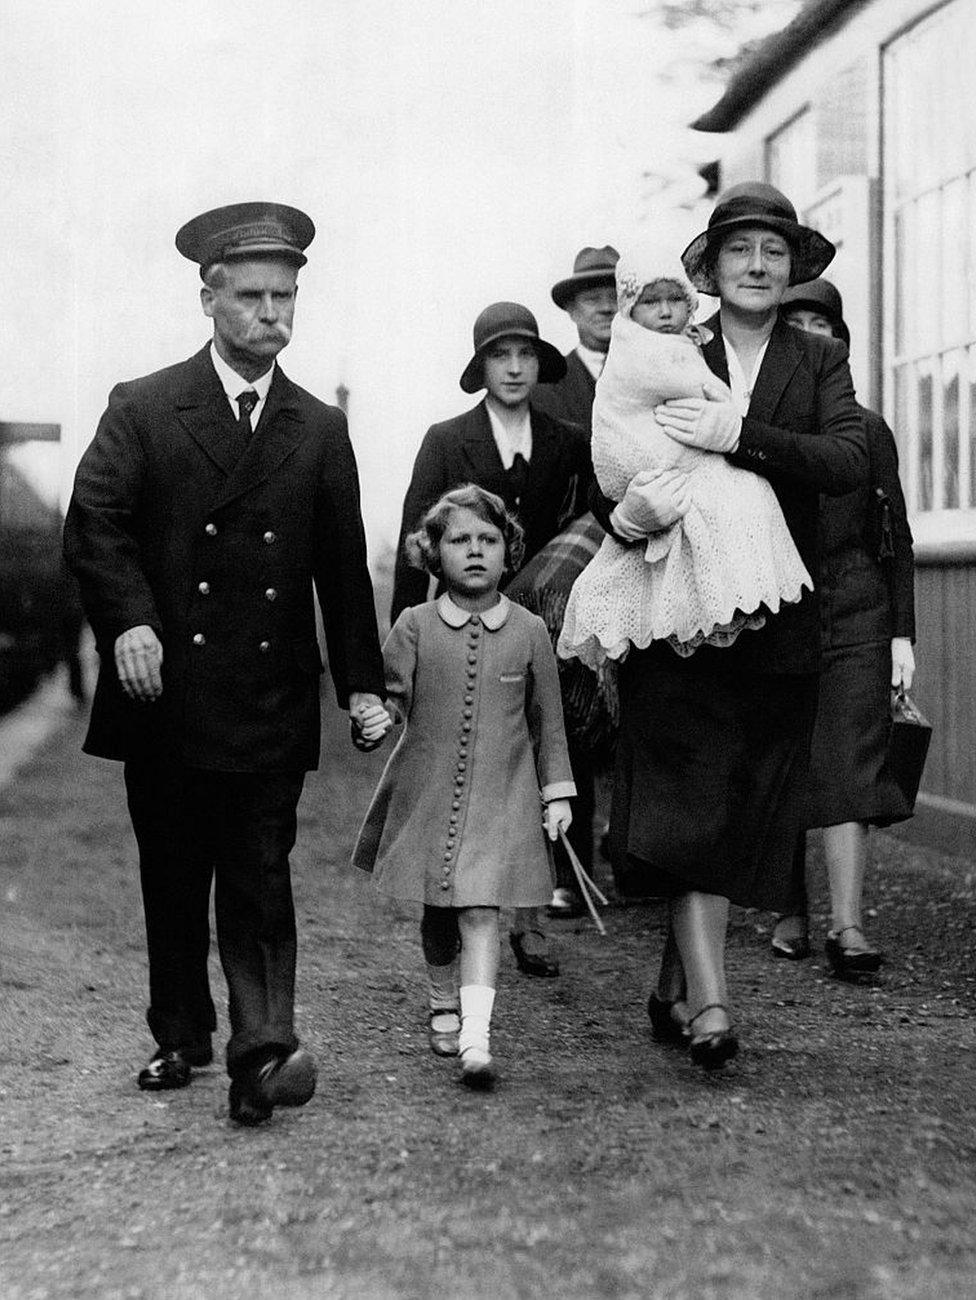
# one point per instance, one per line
(655, 499)
(708, 423)
(902, 663)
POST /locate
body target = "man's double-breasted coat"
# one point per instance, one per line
(167, 527)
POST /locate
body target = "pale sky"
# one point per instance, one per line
(450, 152)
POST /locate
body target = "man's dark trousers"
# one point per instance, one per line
(237, 829)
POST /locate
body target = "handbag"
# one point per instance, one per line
(908, 744)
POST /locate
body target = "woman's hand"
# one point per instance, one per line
(369, 720)
(558, 816)
(655, 499)
(902, 663)
(709, 423)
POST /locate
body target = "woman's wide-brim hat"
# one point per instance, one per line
(591, 268)
(754, 203)
(504, 320)
(822, 297)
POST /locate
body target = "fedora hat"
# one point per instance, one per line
(753, 203)
(504, 320)
(242, 230)
(822, 297)
(591, 268)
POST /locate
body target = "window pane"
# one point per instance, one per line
(923, 379)
(900, 429)
(954, 232)
(950, 430)
(972, 426)
(925, 307)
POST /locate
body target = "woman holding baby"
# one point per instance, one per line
(716, 712)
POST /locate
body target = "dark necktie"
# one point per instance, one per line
(518, 476)
(246, 402)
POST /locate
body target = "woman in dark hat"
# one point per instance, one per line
(712, 749)
(538, 466)
(867, 612)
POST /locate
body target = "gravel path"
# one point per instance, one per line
(836, 1158)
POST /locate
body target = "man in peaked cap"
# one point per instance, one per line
(589, 298)
(214, 495)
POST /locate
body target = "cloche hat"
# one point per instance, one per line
(242, 230)
(507, 320)
(753, 203)
(820, 296)
(591, 268)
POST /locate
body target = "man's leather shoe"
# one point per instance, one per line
(166, 1070)
(280, 1081)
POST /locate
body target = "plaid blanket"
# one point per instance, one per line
(590, 704)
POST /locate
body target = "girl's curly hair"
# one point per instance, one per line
(422, 548)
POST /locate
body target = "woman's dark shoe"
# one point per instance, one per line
(532, 963)
(790, 941)
(711, 1050)
(854, 959)
(664, 1027)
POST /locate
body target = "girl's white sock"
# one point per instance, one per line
(477, 1001)
(443, 985)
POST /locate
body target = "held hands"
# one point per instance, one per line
(902, 663)
(369, 720)
(710, 423)
(655, 499)
(557, 816)
(138, 662)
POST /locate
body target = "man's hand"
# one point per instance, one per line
(369, 720)
(655, 499)
(902, 663)
(558, 815)
(139, 661)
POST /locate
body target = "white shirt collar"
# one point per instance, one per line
(594, 361)
(456, 617)
(740, 385)
(233, 384)
(511, 438)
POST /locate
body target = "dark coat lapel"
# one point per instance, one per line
(782, 358)
(714, 350)
(577, 371)
(203, 411)
(279, 432)
(479, 446)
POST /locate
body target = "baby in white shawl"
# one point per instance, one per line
(731, 557)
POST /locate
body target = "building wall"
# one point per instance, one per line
(832, 99)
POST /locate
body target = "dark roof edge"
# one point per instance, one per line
(773, 59)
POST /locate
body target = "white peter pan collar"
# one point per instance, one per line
(454, 616)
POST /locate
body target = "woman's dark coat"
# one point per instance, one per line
(463, 450)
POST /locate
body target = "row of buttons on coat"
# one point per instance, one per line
(474, 636)
(268, 538)
(204, 587)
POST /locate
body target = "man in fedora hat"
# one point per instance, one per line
(589, 298)
(538, 466)
(214, 495)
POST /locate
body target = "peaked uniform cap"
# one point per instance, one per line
(242, 230)
(504, 320)
(822, 297)
(591, 268)
(754, 203)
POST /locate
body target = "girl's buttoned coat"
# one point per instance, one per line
(456, 820)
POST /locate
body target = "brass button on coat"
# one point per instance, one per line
(271, 594)
(211, 530)
(204, 588)
(199, 638)
(269, 538)
(264, 647)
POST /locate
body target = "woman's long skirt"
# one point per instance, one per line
(711, 764)
(850, 780)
